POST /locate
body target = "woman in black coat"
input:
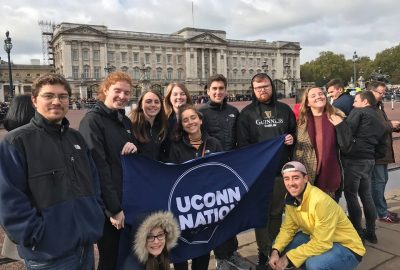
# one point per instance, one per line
(108, 132)
(192, 143)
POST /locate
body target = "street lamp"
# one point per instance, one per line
(109, 68)
(143, 78)
(355, 58)
(7, 47)
(265, 67)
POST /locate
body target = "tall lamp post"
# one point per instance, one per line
(109, 68)
(143, 77)
(7, 47)
(265, 67)
(355, 58)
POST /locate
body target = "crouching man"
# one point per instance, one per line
(316, 233)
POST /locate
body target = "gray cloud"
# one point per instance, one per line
(342, 26)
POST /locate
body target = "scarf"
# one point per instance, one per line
(329, 176)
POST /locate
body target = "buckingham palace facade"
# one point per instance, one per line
(84, 54)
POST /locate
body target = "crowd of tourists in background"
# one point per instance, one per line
(61, 189)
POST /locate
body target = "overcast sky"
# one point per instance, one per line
(341, 26)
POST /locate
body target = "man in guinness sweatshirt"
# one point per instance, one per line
(263, 119)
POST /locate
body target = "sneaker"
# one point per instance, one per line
(370, 237)
(389, 219)
(238, 262)
(393, 214)
(223, 265)
(262, 262)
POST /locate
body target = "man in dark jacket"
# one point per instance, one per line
(50, 202)
(219, 121)
(263, 119)
(380, 174)
(368, 143)
(341, 100)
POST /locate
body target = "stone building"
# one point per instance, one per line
(85, 53)
(22, 76)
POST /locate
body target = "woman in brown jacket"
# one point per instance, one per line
(320, 136)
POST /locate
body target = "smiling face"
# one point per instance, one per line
(334, 91)
(295, 183)
(191, 122)
(52, 102)
(156, 241)
(316, 99)
(117, 95)
(177, 98)
(217, 92)
(151, 105)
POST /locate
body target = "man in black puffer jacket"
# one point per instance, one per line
(219, 121)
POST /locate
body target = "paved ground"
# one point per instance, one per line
(385, 255)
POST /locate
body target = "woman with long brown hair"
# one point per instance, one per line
(150, 125)
(320, 135)
(176, 96)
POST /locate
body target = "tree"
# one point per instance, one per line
(389, 62)
(327, 66)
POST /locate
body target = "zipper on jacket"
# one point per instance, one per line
(73, 167)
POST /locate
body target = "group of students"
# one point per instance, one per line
(87, 170)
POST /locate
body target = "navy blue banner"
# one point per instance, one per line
(213, 198)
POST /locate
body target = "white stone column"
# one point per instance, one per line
(203, 66)
(188, 65)
(194, 66)
(219, 70)
(83, 91)
(211, 69)
(1, 92)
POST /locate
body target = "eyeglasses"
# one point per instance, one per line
(152, 238)
(262, 87)
(51, 96)
(380, 93)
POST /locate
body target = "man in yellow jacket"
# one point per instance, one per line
(316, 232)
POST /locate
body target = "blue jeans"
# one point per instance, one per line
(82, 259)
(337, 258)
(357, 181)
(379, 180)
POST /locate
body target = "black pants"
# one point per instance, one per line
(226, 249)
(198, 263)
(108, 247)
